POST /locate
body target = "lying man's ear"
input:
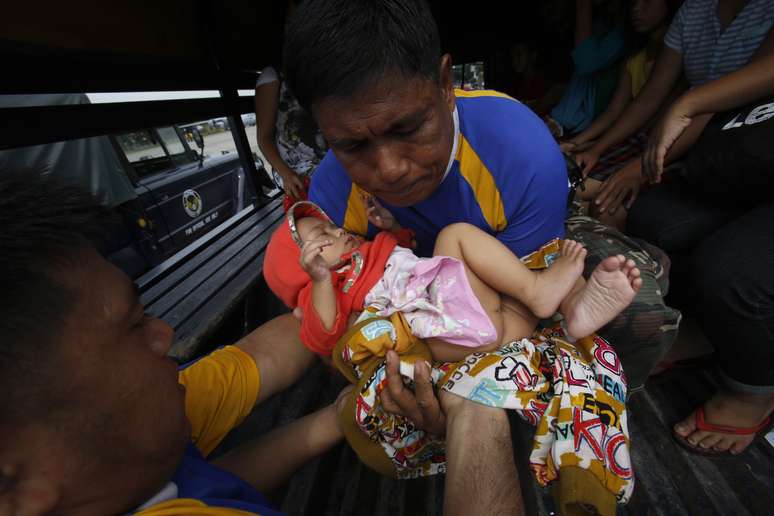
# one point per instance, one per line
(25, 488)
(23, 494)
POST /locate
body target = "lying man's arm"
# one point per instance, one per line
(277, 350)
(268, 461)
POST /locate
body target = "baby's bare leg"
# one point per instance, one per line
(610, 289)
(481, 254)
(493, 267)
(513, 321)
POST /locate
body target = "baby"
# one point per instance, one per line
(473, 295)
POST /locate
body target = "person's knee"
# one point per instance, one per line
(456, 231)
(450, 236)
(645, 221)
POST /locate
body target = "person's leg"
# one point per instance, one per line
(277, 350)
(610, 289)
(669, 216)
(734, 275)
(481, 475)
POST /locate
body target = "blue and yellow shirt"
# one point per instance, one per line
(507, 177)
(221, 390)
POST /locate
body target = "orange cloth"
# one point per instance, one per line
(291, 283)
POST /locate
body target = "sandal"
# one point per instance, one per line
(701, 424)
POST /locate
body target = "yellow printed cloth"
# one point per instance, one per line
(574, 394)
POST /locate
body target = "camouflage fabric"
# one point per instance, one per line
(644, 332)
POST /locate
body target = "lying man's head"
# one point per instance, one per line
(372, 74)
(92, 416)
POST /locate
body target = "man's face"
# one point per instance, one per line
(395, 138)
(128, 407)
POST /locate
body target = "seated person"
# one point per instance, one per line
(331, 273)
(287, 135)
(650, 20)
(95, 418)
(434, 156)
(528, 82)
(706, 40)
(722, 252)
(599, 45)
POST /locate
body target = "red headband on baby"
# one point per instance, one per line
(281, 266)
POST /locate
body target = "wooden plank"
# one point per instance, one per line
(346, 484)
(208, 316)
(180, 302)
(705, 491)
(537, 499)
(194, 253)
(655, 492)
(390, 497)
(188, 264)
(183, 255)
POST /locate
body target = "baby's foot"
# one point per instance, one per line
(609, 290)
(553, 284)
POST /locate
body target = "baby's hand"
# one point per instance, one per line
(378, 215)
(312, 261)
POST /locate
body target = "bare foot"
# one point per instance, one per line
(726, 409)
(609, 290)
(553, 284)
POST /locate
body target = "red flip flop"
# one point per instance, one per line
(702, 424)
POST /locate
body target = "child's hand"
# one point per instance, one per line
(313, 262)
(378, 215)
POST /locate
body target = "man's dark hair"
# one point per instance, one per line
(334, 48)
(43, 226)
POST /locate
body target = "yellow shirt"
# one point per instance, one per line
(221, 390)
(639, 68)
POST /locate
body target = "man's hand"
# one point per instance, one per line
(586, 160)
(378, 215)
(620, 188)
(312, 261)
(422, 407)
(292, 184)
(661, 139)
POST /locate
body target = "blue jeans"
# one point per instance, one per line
(722, 272)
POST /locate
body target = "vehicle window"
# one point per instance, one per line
(140, 146)
(469, 76)
(171, 140)
(216, 134)
(474, 76)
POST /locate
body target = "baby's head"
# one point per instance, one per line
(313, 228)
(305, 222)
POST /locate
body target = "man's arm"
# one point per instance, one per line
(621, 99)
(481, 469)
(753, 81)
(268, 461)
(266, 105)
(666, 72)
(279, 354)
